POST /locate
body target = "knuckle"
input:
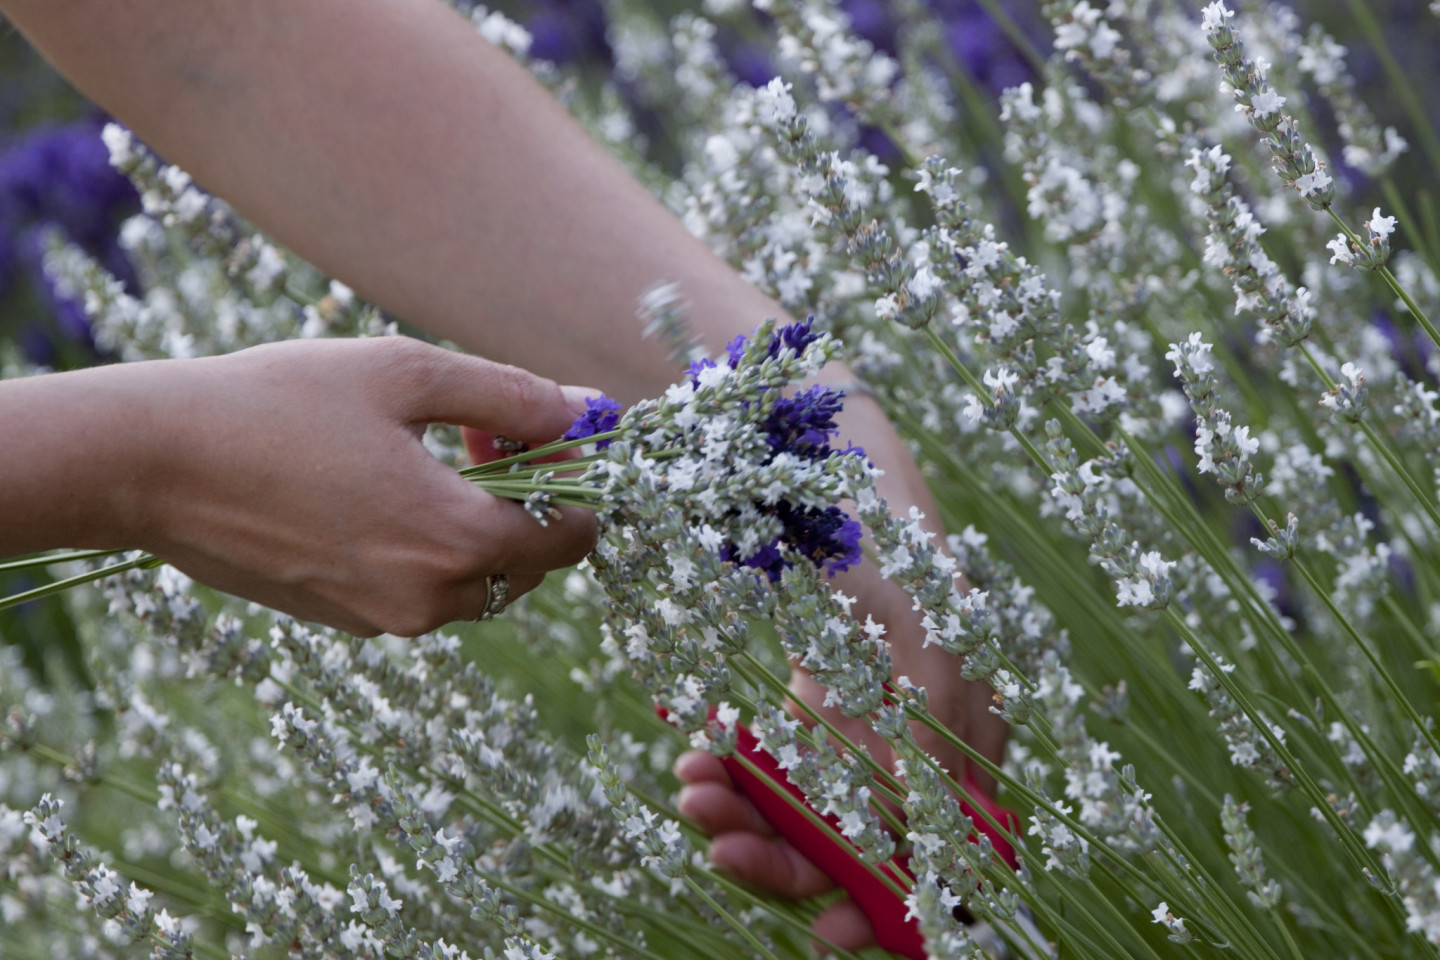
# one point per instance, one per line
(460, 549)
(406, 366)
(460, 563)
(518, 389)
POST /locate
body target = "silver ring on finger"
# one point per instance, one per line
(497, 596)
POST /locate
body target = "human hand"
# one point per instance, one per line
(293, 474)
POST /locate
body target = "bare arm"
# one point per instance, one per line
(394, 147)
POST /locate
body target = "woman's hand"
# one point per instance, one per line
(292, 474)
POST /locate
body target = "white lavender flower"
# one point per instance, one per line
(1410, 872)
(1247, 856)
(1176, 925)
(1371, 255)
(1222, 448)
(1245, 79)
(1249, 748)
(1233, 248)
(1367, 146)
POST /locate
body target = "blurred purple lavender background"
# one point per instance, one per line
(573, 31)
(54, 174)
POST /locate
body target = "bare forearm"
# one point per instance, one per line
(75, 449)
(390, 144)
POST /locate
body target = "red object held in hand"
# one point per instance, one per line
(837, 858)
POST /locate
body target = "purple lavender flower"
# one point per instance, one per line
(870, 19)
(58, 176)
(62, 174)
(794, 336)
(828, 537)
(569, 31)
(601, 416)
(803, 424)
(696, 368)
(7, 260)
(735, 349)
(769, 559)
(748, 62)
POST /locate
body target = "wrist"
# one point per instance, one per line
(150, 405)
(81, 457)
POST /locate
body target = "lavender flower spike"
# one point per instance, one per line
(601, 416)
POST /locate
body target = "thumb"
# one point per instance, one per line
(494, 398)
(482, 447)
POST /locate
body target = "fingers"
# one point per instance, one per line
(442, 386)
(482, 448)
(698, 766)
(744, 844)
(474, 597)
(710, 799)
(515, 542)
(845, 925)
(491, 400)
(768, 863)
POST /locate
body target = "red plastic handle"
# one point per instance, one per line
(837, 858)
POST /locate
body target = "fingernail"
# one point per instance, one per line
(576, 396)
(684, 798)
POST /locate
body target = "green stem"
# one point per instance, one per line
(566, 916)
(525, 456)
(1210, 895)
(1260, 614)
(883, 790)
(768, 678)
(30, 563)
(520, 490)
(1285, 934)
(1389, 681)
(1358, 853)
(983, 393)
(734, 889)
(1030, 797)
(725, 915)
(1422, 643)
(1409, 222)
(143, 562)
(1001, 875)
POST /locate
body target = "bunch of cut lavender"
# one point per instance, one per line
(736, 455)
